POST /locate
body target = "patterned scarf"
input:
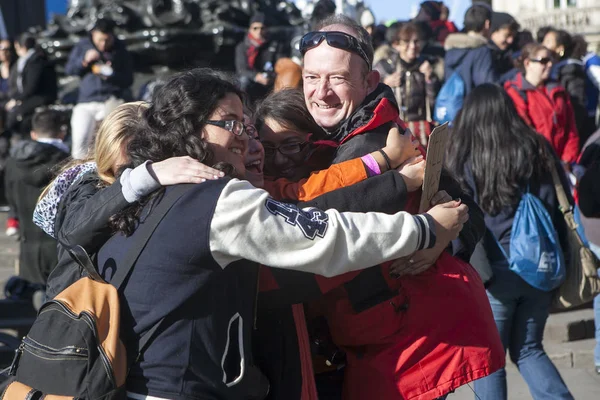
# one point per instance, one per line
(253, 49)
(44, 214)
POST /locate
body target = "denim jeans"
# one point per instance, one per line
(596, 250)
(520, 312)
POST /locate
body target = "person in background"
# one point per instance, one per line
(591, 64)
(411, 77)
(255, 58)
(468, 53)
(497, 177)
(570, 73)
(7, 59)
(28, 171)
(503, 31)
(588, 193)
(543, 104)
(430, 12)
(34, 84)
(541, 33)
(106, 71)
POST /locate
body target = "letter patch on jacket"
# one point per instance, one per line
(312, 222)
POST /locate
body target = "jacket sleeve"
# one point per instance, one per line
(241, 63)
(328, 243)
(432, 88)
(336, 176)
(384, 193)
(123, 70)
(32, 82)
(74, 65)
(571, 150)
(87, 209)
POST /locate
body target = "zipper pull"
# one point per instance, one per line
(15, 362)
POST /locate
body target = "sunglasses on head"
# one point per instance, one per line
(544, 60)
(339, 40)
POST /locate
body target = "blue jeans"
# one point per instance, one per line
(520, 312)
(596, 250)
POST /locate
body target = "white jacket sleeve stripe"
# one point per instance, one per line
(248, 224)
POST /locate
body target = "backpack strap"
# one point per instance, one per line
(148, 227)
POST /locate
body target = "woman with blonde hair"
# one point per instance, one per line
(77, 206)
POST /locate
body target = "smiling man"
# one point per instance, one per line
(389, 357)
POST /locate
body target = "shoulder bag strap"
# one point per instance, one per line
(565, 207)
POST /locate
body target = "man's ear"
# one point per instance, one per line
(486, 28)
(34, 136)
(373, 79)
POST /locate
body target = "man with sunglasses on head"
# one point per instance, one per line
(255, 58)
(402, 338)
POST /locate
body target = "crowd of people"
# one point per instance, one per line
(297, 264)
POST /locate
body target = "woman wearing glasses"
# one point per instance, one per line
(411, 77)
(544, 104)
(199, 268)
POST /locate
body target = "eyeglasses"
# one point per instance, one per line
(258, 28)
(287, 149)
(251, 131)
(339, 40)
(417, 42)
(544, 60)
(233, 126)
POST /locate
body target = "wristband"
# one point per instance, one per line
(386, 158)
(371, 165)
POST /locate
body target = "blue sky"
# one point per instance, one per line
(401, 9)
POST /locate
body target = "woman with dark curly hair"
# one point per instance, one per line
(198, 271)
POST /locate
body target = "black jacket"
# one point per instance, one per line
(94, 87)
(39, 84)
(81, 220)
(502, 60)
(571, 75)
(414, 92)
(28, 171)
(269, 52)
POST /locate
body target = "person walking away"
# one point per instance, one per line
(503, 31)
(543, 104)
(468, 53)
(33, 81)
(106, 71)
(411, 77)
(255, 58)
(569, 71)
(7, 59)
(28, 171)
(498, 177)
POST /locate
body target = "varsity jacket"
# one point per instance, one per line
(547, 109)
(198, 272)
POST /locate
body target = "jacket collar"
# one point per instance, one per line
(469, 40)
(378, 108)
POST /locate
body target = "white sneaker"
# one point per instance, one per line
(12, 231)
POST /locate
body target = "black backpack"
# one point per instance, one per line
(74, 348)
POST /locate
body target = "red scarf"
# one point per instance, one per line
(252, 51)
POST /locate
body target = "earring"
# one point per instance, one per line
(561, 54)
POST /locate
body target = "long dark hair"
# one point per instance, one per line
(171, 127)
(503, 152)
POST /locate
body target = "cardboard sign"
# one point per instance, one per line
(436, 148)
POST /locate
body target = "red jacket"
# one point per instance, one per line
(548, 110)
(433, 333)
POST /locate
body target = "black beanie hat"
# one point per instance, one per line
(258, 17)
(499, 19)
(433, 9)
